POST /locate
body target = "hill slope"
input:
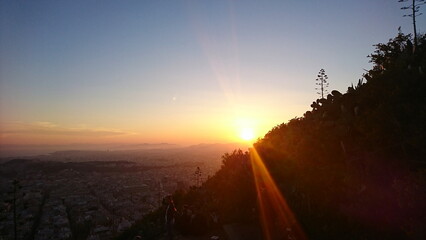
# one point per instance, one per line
(351, 168)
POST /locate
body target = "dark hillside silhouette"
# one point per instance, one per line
(353, 167)
(355, 163)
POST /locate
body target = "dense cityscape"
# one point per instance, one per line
(48, 199)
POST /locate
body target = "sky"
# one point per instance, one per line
(182, 72)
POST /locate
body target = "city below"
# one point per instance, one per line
(96, 194)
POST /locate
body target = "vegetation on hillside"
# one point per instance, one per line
(353, 167)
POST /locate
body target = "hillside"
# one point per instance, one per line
(353, 167)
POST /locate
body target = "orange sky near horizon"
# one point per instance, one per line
(179, 72)
(188, 130)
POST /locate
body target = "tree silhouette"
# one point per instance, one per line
(414, 7)
(197, 175)
(322, 83)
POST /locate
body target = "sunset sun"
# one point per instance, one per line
(247, 134)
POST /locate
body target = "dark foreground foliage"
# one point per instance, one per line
(351, 168)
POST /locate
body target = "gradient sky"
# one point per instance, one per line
(176, 71)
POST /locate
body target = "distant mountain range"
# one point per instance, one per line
(12, 150)
(86, 151)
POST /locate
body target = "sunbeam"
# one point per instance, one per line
(278, 221)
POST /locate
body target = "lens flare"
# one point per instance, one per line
(278, 221)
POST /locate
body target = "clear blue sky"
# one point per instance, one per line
(176, 71)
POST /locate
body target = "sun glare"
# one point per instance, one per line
(247, 134)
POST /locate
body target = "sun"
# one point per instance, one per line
(247, 134)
